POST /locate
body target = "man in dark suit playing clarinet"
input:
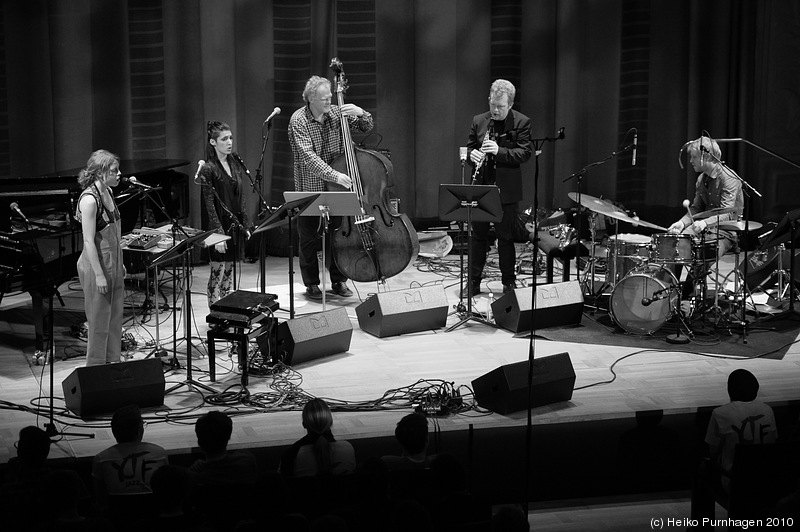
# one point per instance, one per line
(499, 142)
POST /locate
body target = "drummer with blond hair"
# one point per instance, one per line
(717, 189)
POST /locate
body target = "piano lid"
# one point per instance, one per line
(129, 167)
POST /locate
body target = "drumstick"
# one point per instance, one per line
(686, 206)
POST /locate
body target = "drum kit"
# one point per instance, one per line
(642, 272)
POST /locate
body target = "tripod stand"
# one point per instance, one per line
(283, 215)
(182, 249)
(469, 203)
(327, 204)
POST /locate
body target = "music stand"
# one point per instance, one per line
(787, 229)
(325, 205)
(182, 248)
(282, 216)
(469, 203)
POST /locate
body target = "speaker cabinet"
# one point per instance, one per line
(556, 304)
(93, 390)
(403, 311)
(313, 336)
(505, 389)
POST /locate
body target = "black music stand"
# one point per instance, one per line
(280, 217)
(182, 248)
(469, 203)
(325, 205)
(787, 229)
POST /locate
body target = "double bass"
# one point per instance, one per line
(380, 242)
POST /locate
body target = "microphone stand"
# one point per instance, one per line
(579, 179)
(52, 291)
(743, 323)
(537, 150)
(264, 209)
(176, 227)
(460, 308)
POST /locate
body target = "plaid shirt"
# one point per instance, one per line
(316, 144)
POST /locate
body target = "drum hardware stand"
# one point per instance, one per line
(677, 338)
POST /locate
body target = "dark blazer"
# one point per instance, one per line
(515, 148)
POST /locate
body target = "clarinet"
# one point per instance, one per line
(488, 136)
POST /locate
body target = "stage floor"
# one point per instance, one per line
(611, 382)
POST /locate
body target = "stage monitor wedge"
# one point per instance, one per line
(93, 390)
(556, 304)
(313, 336)
(505, 389)
(403, 311)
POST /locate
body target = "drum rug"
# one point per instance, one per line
(767, 339)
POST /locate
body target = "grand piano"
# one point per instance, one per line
(44, 250)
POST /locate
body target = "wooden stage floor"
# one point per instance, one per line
(677, 379)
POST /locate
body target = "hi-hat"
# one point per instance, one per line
(713, 212)
(739, 226)
(609, 209)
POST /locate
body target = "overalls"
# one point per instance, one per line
(103, 311)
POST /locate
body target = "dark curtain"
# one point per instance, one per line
(142, 77)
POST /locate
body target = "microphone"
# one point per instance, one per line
(241, 162)
(635, 144)
(200, 165)
(15, 207)
(275, 112)
(462, 152)
(135, 182)
(560, 135)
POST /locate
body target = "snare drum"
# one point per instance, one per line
(705, 251)
(625, 252)
(672, 249)
(645, 299)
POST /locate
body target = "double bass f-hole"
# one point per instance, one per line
(379, 242)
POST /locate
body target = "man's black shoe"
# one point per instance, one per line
(313, 292)
(341, 289)
(476, 289)
(509, 287)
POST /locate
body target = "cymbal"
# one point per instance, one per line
(713, 212)
(612, 211)
(739, 226)
(596, 204)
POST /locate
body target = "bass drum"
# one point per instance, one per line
(629, 306)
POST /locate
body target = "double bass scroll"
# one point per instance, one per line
(380, 243)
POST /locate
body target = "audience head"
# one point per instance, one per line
(510, 519)
(742, 386)
(412, 433)
(213, 431)
(317, 417)
(33, 446)
(127, 424)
